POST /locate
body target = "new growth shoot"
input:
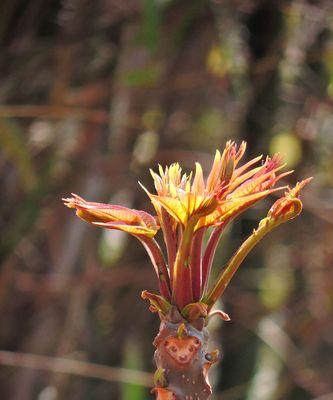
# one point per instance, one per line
(186, 205)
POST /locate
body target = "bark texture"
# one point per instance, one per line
(182, 359)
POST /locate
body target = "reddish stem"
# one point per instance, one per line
(182, 293)
(196, 263)
(155, 253)
(170, 240)
(209, 254)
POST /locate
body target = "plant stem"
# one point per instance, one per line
(170, 240)
(182, 284)
(209, 254)
(155, 253)
(265, 226)
(182, 361)
(196, 263)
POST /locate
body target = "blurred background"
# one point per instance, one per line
(92, 94)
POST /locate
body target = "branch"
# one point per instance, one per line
(74, 367)
(98, 116)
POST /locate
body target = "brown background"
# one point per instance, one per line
(92, 94)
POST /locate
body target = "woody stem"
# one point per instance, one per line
(182, 362)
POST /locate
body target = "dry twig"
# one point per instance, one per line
(75, 367)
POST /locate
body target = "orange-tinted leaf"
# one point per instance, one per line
(132, 229)
(109, 216)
